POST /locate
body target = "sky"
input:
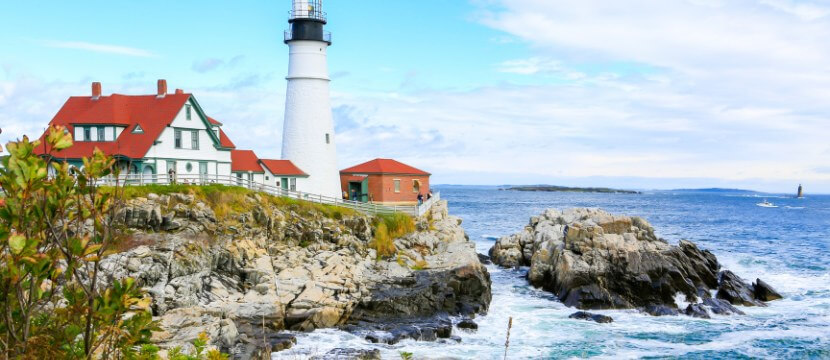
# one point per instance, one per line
(638, 94)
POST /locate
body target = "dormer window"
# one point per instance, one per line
(137, 129)
(187, 109)
(87, 134)
(101, 134)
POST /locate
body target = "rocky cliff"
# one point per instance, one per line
(269, 264)
(594, 260)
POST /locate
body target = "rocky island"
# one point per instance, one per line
(591, 259)
(242, 267)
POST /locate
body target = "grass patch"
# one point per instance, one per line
(389, 227)
(397, 224)
(228, 200)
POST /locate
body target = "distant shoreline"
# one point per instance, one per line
(552, 188)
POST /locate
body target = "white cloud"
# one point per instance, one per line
(100, 48)
(805, 11)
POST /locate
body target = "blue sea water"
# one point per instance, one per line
(786, 246)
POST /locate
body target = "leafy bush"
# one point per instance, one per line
(54, 231)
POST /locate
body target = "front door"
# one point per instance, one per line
(355, 191)
(284, 183)
(203, 172)
(148, 174)
(171, 171)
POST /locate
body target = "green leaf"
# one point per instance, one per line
(17, 242)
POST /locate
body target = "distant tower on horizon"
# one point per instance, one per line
(308, 130)
(800, 191)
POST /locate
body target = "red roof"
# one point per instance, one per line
(151, 113)
(244, 161)
(282, 167)
(214, 121)
(384, 166)
(225, 141)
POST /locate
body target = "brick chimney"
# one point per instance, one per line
(179, 91)
(96, 90)
(162, 88)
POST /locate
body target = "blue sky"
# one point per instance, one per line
(640, 94)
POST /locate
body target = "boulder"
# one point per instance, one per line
(467, 324)
(591, 259)
(721, 307)
(734, 290)
(762, 291)
(697, 310)
(584, 315)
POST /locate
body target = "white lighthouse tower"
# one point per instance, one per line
(308, 132)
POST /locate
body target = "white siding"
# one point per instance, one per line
(218, 161)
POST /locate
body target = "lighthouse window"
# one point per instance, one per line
(187, 111)
(328, 139)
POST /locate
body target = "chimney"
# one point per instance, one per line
(179, 91)
(162, 88)
(96, 90)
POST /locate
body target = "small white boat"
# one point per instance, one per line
(766, 204)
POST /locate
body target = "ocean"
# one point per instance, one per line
(785, 246)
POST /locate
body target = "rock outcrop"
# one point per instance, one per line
(594, 260)
(245, 277)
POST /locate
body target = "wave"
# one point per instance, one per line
(490, 237)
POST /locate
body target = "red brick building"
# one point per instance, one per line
(384, 181)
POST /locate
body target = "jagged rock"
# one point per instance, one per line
(595, 260)
(697, 310)
(721, 307)
(349, 354)
(467, 324)
(660, 310)
(244, 278)
(764, 292)
(734, 290)
(583, 315)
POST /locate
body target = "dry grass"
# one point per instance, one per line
(382, 242)
(387, 229)
(230, 200)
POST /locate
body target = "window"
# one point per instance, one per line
(79, 133)
(178, 137)
(188, 111)
(194, 140)
(397, 186)
(101, 134)
(328, 140)
(266, 178)
(87, 134)
(416, 186)
(137, 129)
(293, 184)
(189, 167)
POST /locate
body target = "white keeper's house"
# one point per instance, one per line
(151, 134)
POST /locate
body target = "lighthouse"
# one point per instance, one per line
(308, 138)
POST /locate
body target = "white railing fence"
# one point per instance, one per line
(208, 179)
